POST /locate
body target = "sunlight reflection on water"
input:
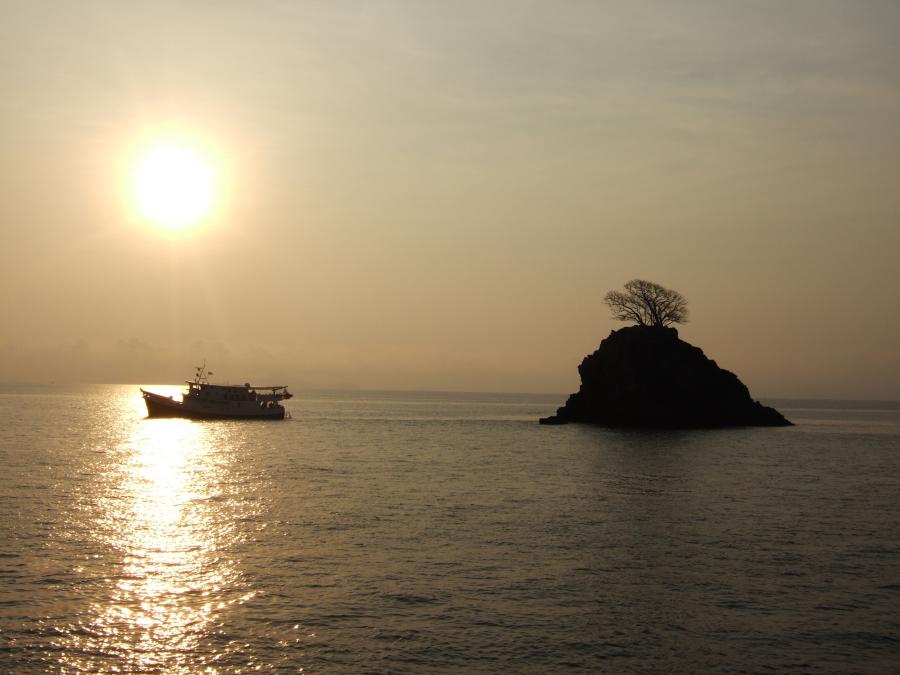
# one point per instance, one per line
(156, 518)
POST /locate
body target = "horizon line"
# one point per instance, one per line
(338, 389)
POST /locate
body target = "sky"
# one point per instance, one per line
(433, 195)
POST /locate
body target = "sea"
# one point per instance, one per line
(406, 532)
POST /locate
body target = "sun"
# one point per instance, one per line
(174, 185)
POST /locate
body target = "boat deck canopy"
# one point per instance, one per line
(236, 386)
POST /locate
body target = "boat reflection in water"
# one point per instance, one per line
(168, 530)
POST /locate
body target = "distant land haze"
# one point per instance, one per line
(415, 195)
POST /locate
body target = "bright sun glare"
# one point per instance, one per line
(174, 185)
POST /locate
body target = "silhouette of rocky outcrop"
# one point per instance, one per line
(646, 377)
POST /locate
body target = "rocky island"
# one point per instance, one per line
(645, 376)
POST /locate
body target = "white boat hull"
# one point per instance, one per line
(166, 406)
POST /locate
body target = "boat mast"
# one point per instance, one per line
(201, 376)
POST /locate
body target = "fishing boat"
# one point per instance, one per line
(203, 400)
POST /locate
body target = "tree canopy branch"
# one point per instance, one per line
(647, 304)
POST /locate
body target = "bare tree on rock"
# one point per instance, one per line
(647, 304)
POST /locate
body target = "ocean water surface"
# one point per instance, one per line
(402, 532)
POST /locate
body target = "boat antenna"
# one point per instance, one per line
(200, 376)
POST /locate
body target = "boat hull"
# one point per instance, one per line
(165, 406)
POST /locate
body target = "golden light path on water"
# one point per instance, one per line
(166, 522)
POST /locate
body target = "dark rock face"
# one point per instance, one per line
(646, 377)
